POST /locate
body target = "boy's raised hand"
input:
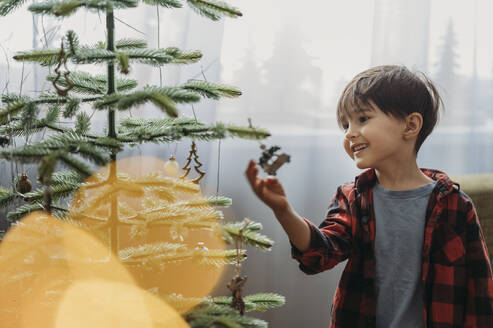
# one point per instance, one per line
(269, 190)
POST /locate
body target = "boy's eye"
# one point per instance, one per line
(345, 126)
(362, 119)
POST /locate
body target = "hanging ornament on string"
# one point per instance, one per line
(62, 59)
(4, 141)
(236, 284)
(23, 185)
(187, 168)
(171, 167)
(266, 161)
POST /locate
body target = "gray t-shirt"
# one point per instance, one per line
(400, 224)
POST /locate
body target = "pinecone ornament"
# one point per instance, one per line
(24, 185)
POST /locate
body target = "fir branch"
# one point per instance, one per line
(25, 154)
(228, 91)
(85, 83)
(164, 103)
(25, 209)
(108, 101)
(212, 90)
(124, 102)
(214, 10)
(164, 3)
(69, 7)
(177, 95)
(124, 84)
(75, 164)
(12, 109)
(203, 88)
(149, 56)
(53, 114)
(219, 201)
(62, 145)
(233, 320)
(66, 177)
(47, 57)
(264, 301)
(29, 115)
(57, 192)
(121, 4)
(87, 151)
(11, 97)
(129, 44)
(6, 197)
(83, 123)
(87, 55)
(166, 131)
(71, 43)
(105, 142)
(159, 57)
(7, 6)
(72, 107)
(165, 122)
(247, 132)
(260, 302)
(18, 129)
(123, 64)
(161, 253)
(251, 237)
(185, 57)
(63, 8)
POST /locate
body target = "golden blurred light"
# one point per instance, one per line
(162, 228)
(55, 274)
(130, 229)
(117, 305)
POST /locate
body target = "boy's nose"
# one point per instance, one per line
(351, 133)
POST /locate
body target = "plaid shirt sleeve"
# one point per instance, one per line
(479, 302)
(330, 243)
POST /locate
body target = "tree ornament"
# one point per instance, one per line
(236, 284)
(24, 185)
(171, 167)
(267, 154)
(236, 287)
(62, 59)
(273, 166)
(4, 141)
(187, 168)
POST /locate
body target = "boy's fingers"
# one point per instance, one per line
(251, 172)
(259, 187)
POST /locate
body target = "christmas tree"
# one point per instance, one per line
(162, 239)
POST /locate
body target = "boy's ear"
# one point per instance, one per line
(414, 122)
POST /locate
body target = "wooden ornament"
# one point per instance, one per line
(62, 59)
(236, 287)
(271, 167)
(187, 168)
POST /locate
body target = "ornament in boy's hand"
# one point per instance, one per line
(265, 161)
(271, 166)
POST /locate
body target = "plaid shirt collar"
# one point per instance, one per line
(367, 179)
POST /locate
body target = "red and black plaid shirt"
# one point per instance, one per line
(456, 271)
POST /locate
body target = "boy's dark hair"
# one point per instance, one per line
(397, 92)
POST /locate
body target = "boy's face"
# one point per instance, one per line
(373, 139)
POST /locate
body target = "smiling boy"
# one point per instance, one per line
(415, 250)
